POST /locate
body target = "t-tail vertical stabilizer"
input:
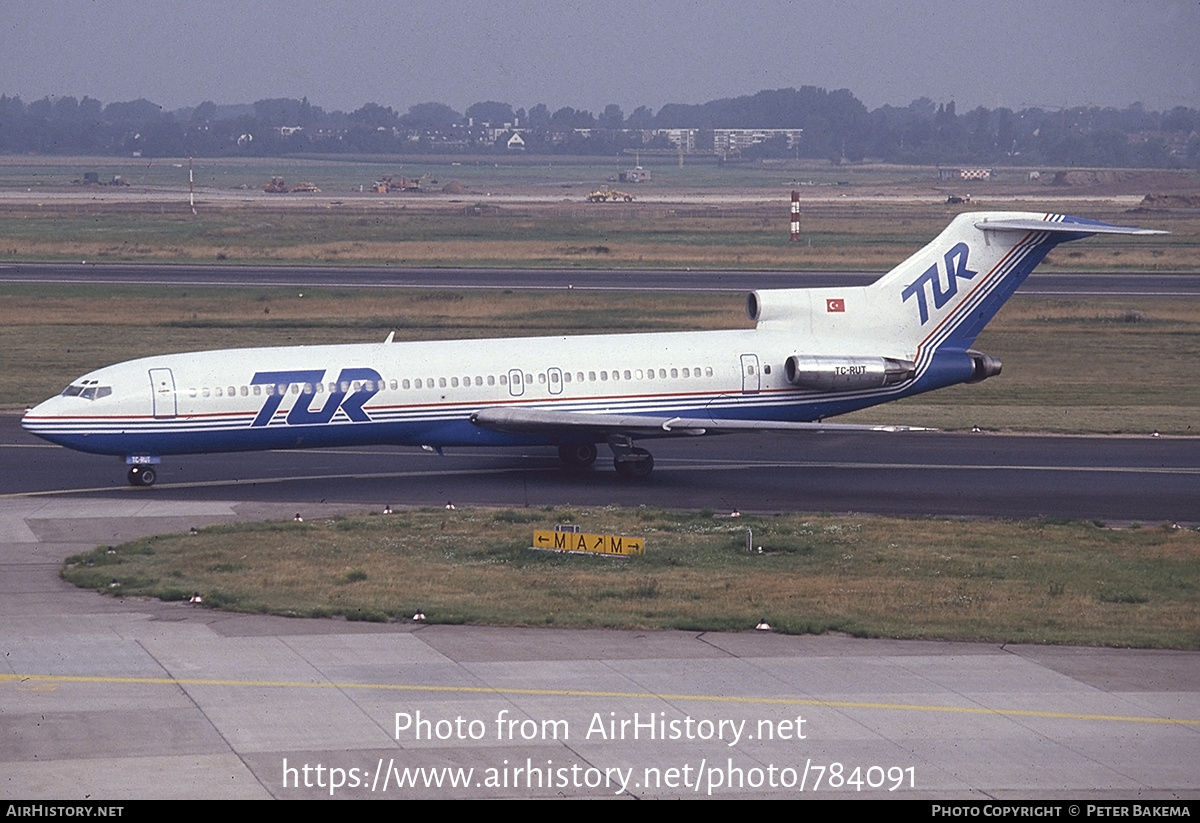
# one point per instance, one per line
(942, 297)
(947, 292)
(920, 319)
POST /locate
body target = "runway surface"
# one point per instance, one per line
(982, 475)
(1076, 283)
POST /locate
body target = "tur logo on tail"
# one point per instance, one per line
(956, 267)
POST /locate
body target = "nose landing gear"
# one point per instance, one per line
(142, 475)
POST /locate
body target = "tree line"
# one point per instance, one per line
(836, 126)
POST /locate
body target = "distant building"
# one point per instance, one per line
(728, 141)
(681, 138)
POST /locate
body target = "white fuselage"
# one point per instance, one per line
(421, 393)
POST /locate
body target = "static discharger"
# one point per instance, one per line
(569, 538)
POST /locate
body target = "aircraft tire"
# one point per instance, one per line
(577, 456)
(638, 464)
(142, 476)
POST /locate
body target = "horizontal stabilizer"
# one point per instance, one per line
(544, 421)
(1075, 227)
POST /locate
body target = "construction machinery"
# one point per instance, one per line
(389, 183)
(606, 195)
(279, 186)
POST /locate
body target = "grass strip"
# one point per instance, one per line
(1031, 581)
(855, 236)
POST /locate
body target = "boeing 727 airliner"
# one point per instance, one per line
(813, 354)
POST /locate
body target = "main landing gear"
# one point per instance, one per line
(633, 463)
(629, 461)
(577, 457)
(142, 475)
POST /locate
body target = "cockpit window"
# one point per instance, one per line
(88, 391)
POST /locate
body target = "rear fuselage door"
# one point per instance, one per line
(751, 379)
(162, 389)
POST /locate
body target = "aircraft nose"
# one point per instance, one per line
(37, 420)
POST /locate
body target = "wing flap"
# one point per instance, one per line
(547, 421)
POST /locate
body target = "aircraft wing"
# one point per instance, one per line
(546, 421)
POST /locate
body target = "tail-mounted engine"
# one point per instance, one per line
(983, 366)
(850, 373)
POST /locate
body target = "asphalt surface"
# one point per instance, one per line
(105, 699)
(1076, 283)
(918, 473)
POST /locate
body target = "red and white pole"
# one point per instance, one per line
(795, 216)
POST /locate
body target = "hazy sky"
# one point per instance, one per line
(1013, 53)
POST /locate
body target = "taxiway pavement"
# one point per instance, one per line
(109, 699)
